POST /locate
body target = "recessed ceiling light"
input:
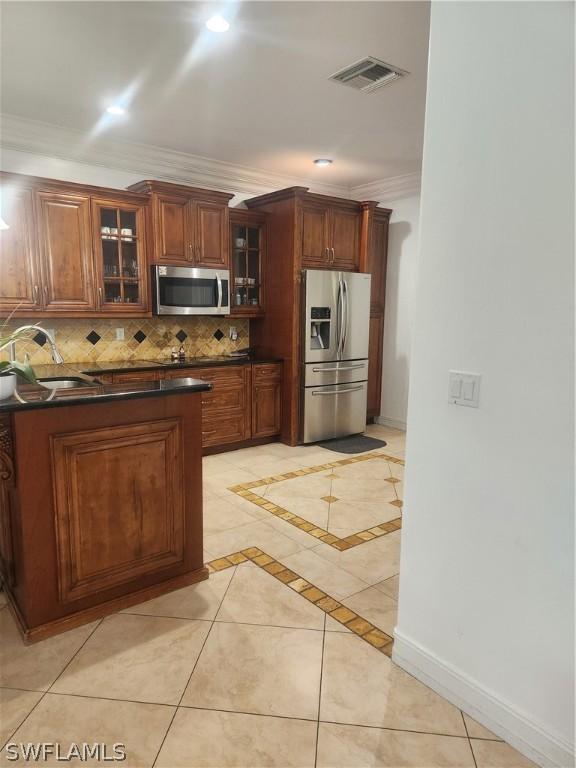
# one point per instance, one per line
(115, 109)
(323, 161)
(218, 24)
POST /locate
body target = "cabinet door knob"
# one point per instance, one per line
(100, 295)
(333, 256)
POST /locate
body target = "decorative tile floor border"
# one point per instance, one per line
(361, 537)
(331, 607)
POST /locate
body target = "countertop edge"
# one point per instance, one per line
(124, 392)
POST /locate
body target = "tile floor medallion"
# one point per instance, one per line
(329, 501)
(280, 658)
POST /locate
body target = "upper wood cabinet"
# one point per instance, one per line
(120, 256)
(190, 224)
(248, 264)
(66, 251)
(345, 232)
(315, 236)
(71, 249)
(19, 266)
(171, 229)
(330, 234)
(374, 251)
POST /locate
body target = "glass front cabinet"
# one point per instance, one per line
(247, 263)
(120, 251)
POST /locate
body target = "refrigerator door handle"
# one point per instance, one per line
(339, 313)
(336, 391)
(337, 370)
(345, 314)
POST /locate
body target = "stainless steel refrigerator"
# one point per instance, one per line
(336, 322)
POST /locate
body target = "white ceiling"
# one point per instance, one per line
(257, 95)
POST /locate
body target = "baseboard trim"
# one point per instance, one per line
(394, 423)
(516, 728)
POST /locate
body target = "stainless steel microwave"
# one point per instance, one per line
(190, 291)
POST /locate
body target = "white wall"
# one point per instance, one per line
(400, 304)
(486, 582)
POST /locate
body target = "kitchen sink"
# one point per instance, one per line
(57, 382)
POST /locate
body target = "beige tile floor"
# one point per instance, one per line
(241, 670)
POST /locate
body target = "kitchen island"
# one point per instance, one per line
(100, 498)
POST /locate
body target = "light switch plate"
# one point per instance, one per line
(119, 334)
(233, 332)
(464, 388)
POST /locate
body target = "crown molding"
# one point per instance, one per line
(50, 140)
(385, 190)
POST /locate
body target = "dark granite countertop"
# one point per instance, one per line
(117, 366)
(32, 396)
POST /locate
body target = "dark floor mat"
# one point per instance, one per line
(352, 444)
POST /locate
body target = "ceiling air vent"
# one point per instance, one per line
(368, 74)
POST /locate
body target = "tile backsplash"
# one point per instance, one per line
(94, 340)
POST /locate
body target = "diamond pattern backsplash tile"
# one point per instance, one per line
(181, 336)
(152, 338)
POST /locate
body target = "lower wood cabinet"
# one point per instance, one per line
(226, 408)
(266, 399)
(375, 339)
(101, 505)
(245, 401)
(136, 467)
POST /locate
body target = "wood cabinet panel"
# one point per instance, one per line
(174, 235)
(315, 236)
(136, 468)
(267, 409)
(374, 252)
(266, 399)
(211, 235)
(66, 251)
(345, 239)
(7, 488)
(19, 269)
(375, 364)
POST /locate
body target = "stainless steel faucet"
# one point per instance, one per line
(56, 356)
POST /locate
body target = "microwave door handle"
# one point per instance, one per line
(219, 288)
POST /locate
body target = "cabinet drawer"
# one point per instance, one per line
(119, 378)
(224, 399)
(218, 376)
(264, 372)
(226, 429)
